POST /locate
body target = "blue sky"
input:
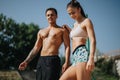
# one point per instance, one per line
(105, 15)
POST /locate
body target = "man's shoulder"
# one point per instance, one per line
(60, 28)
(43, 29)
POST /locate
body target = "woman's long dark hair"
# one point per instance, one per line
(76, 4)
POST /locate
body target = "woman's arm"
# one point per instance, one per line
(91, 35)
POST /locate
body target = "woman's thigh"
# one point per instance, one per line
(69, 74)
(81, 72)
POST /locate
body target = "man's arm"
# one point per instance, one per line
(35, 49)
(66, 40)
(33, 52)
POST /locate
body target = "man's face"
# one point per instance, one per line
(51, 16)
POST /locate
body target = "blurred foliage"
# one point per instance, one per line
(16, 41)
(10, 75)
(101, 75)
(106, 65)
(104, 69)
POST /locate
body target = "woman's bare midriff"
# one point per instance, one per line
(77, 42)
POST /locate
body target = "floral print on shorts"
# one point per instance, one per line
(80, 54)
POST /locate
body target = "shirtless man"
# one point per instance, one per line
(49, 39)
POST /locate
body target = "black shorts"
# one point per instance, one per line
(48, 68)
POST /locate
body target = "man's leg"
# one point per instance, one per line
(50, 68)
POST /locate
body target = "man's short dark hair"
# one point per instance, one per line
(51, 9)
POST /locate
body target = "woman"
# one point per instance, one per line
(83, 60)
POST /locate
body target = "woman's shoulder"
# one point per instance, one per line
(87, 20)
(88, 23)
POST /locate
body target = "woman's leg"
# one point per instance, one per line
(69, 74)
(81, 72)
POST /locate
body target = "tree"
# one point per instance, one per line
(16, 41)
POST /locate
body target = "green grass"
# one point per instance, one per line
(99, 75)
(10, 75)
(14, 75)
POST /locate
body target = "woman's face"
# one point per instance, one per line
(73, 12)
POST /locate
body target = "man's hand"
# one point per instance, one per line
(67, 28)
(23, 65)
(64, 67)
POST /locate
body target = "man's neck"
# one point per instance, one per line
(53, 25)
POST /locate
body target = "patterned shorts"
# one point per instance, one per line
(80, 54)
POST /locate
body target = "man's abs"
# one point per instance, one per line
(49, 50)
(44, 53)
(51, 42)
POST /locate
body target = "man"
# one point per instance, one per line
(49, 39)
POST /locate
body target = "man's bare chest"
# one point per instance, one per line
(51, 34)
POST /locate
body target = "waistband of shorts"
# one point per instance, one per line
(52, 56)
(77, 48)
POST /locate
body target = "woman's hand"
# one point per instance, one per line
(90, 65)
